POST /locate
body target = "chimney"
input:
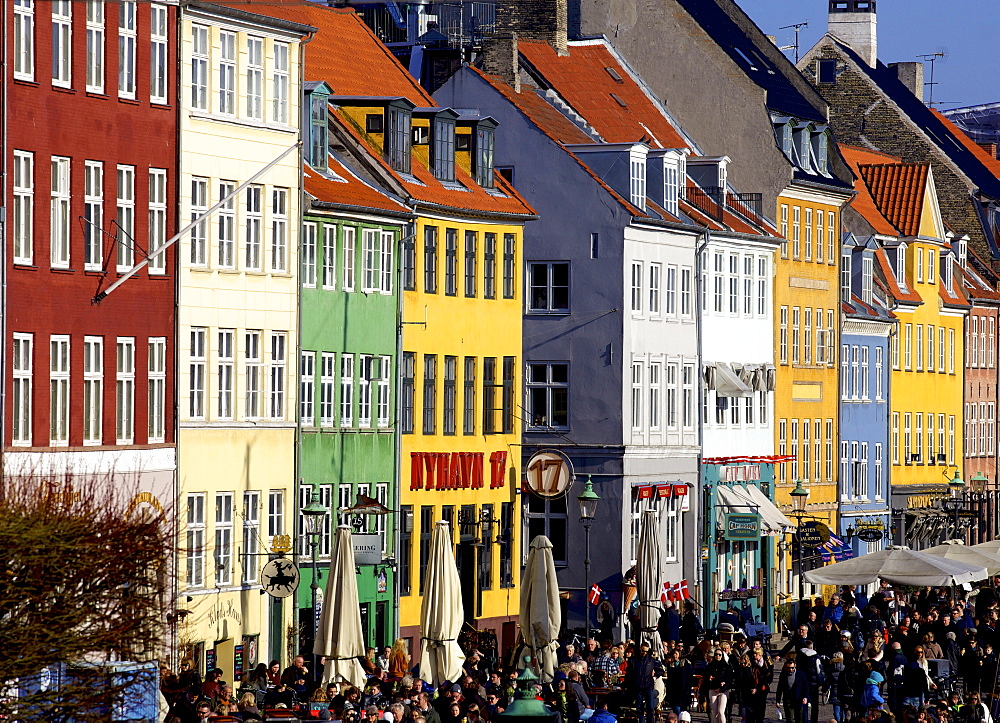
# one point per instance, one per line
(990, 148)
(500, 58)
(539, 21)
(853, 22)
(911, 75)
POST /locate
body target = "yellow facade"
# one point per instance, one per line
(454, 466)
(807, 322)
(237, 335)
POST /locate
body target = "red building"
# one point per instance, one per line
(91, 129)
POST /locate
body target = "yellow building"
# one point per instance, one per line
(916, 266)
(806, 295)
(237, 318)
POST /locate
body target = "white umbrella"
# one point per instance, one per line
(541, 616)
(899, 566)
(339, 637)
(958, 550)
(991, 548)
(649, 574)
(441, 612)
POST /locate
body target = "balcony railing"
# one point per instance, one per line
(714, 201)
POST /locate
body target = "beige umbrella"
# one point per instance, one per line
(541, 616)
(441, 612)
(339, 638)
(649, 574)
(972, 554)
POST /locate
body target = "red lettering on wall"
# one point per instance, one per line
(416, 471)
(498, 465)
(456, 470)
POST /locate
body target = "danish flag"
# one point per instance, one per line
(685, 594)
(666, 593)
(595, 594)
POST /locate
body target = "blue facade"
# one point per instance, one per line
(864, 498)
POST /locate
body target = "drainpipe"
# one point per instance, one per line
(701, 569)
(175, 583)
(3, 246)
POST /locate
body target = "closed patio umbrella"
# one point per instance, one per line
(441, 612)
(541, 616)
(899, 566)
(649, 571)
(958, 550)
(339, 637)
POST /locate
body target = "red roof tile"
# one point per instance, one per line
(899, 293)
(617, 109)
(898, 190)
(863, 202)
(981, 155)
(351, 191)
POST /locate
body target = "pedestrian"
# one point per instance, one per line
(718, 682)
(756, 686)
(691, 627)
(811, 668)
(643, 668)
(791, 692)
(835, 671)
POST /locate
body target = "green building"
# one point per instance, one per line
(349, 315)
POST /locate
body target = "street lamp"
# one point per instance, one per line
(588, 500)
(799, 496)
(313, 515)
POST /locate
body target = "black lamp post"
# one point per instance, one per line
(312, 519)
(799, 496)
(588, 500)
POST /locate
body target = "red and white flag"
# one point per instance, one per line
(666, 595)
(595, 594)
(685, 593)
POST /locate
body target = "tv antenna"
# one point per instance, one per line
(795, 45)
(932, 58)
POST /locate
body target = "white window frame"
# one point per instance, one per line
(386, 262)
(879, 365)
(199, 232)
(156, 367)
(307, 388)
(279, 230)
(195, 551)
(24, 40)
(655, 273)
(672, 396)
(59, 218)
(275, 514)
(24, 207)
(159, 55)
(198, 358)
(59, 390)
(62, 42)
(309, 255)
(279, 362)
(225, 373)
(347, 390)
(200, 67)
(655, 373)
(253, 364)
(157, 220)
(329, 256)
(223, 538)
(255, 77)
(254, 227)
(637, 395)
(809, 234)
(367, 372)
(251, 535)
(783, 335)
(125, 213)
(21, 394)
(383, 393)
(951, 351)
(280, 83)
(127, 10)
(327, 390)
(831, 237)
(227, 73)
(370, 259)
(95, 46)
(93, 390)
(637, 274)
(226, 226)
(349, 243)
(865, 370)
(687, 292)
(125, 390)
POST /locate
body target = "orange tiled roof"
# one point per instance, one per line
(619, 110)
(351, 191)
(981, 155)
(345, 52)
(898, 292)
(898, 190)
(863, 202)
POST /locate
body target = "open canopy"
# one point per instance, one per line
(973, 555)
(899, 566)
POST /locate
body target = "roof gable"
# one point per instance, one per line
(898, 190)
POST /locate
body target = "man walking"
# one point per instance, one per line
(642, 670)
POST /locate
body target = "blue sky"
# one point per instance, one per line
(964, 29)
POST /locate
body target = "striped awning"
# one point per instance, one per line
(836, 550)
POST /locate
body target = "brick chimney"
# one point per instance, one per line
(540, 21)
(853, 22)
(500, 58)
(990, 148)
(911, 75)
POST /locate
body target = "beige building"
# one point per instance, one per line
(237, 329)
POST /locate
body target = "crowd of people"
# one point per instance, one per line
(921, 657)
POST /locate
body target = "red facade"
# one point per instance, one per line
(112, 142)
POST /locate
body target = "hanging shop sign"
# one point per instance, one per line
(742, 526)
(367, 549)
(280, 577)
(548, 474)
(869, 534)
(813, 534)
(744, 593)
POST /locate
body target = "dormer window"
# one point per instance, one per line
(397, 138)
(483, 156)
(963, 252)
(318, 148)
(637, 181)
(788, 140)
(673, 175)
(900, 269)
(845, 275)
(803, 145)
(443, 158)
(867, 278)
(948, 273)
(821, 151)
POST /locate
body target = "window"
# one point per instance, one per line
(59, 391)
(368, 372)
(490, 266)
(59, 223)
(845, 275)
(125, 391)
(279, 230)
(157, 390)
(24, 39)
(196, 540)
(469, 396)
(549, 287)
(831, 236)
(126, 48)
(806, 449)
(199, 67)
(686, 273)
(783, 335)
(275, 513)
(225, 372)
(829, 450)
(254, 226)
(719, 282)
(196, 373)
(408, 391)
(907, 437)
(895, 438)
(796, 232)
(845, 379)
(157, 220)
(252, 362)
(444, 150)
(654, 395)
(783, 230)
(24, 207)
(931, 262)
(637, 185)
(655, 271)
(809, 234)
(794, 451)
(158, 54)
(817, 444)
(430, 393)
(450, 374)
(346, 390)
(278, 361)
(900, 270)
(22, 389)
(62, 49)
(747, 285)
(350, 236)
(819, 236)
(489, 395)
(93, 389)
(509, 267)
(827, 71)
(426, 528)
(223, 538)
(255, 78)
(451, 262)
(548, 395)
(637, 286)
(863, 393)
(783, 446)
(328, 378)
(920, 264)
(388, 242)
(951, 351)
(405, 549)
(672, 390)
(471, 265)
(484, 157)
(370, 258)
(251, 534)
(734, 283)
(796, 314)
(95, 45)
(382, 395)
(918, 442)
(279, 90)
(941, 349)
(329, 255)
(309, 255)
(93, 211)
(227, 72)
(637, 415)
(930, 348)
(672, 186)
(687, 401)
(397, 139)
(992, 343)
(807, 336)
(430, 259)
(951, 439)
(199, 233)
(908, 355)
